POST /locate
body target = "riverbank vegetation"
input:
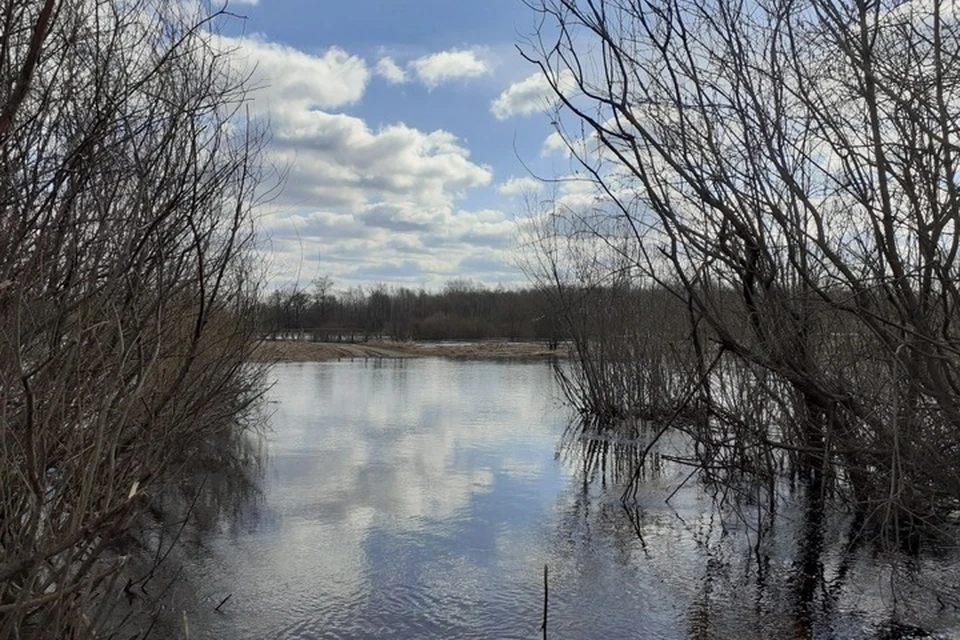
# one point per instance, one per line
(767, 257)
(128, 169)
(463, 310)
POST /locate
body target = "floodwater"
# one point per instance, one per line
(423, 498)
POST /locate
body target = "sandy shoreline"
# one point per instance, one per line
(302, 351)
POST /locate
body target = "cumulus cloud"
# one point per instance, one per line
(359, 245)
(390, 71)
(337, 160)
(519, 186)
(358, 198)
(530, 95)
(367, 203)
(400, 219)
(290, 79)
(444, 66)
(581, 194)
(554, 143)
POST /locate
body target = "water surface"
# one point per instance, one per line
(422, 499)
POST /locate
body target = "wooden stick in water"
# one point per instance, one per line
(546, 599)
(222, 603)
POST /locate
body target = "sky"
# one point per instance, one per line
(408, 130)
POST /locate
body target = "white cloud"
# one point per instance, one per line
(364, 204)
(554, 143)
(361, 203)
(437, 68)
(390, 71)
(337, 160)
(532, 94)
(396, 243)
(290, 79)
(519, 186)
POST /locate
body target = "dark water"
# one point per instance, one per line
(422, 499)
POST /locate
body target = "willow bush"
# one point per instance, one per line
(785, 169)
(128, 172)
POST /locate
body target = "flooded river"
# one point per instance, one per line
(422, 499)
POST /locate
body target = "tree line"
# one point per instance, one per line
(462, 310)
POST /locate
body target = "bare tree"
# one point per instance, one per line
(128, 169)
(787, 169)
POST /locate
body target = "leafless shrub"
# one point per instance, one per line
(788, 171)
(127, 174)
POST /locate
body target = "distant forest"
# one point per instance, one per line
(462, 310)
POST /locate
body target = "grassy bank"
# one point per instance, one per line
(302, 351)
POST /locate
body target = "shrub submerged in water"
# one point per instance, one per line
(786, 172)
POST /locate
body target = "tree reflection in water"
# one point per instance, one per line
(802, 569)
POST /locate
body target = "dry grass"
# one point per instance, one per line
(295, 351)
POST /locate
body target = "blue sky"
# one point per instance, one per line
(404, 127)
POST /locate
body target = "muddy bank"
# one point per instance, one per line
(302, 351)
